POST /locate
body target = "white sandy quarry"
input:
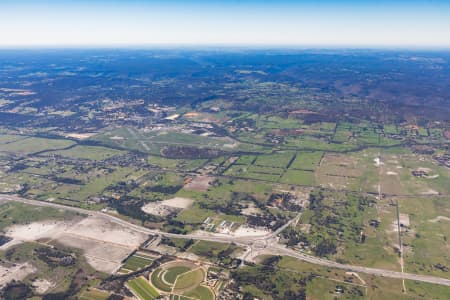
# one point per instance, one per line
(163, 208)
(35, 231)
(104, 244)
(378, 162)
(16, 272)
(250, 231)
(42, 285)
(439, 218)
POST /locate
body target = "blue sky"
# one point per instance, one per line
(327, 23)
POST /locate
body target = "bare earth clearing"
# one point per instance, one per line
(164, 208)
(104, 244)
(16, 272)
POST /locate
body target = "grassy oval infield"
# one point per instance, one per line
(181, 278)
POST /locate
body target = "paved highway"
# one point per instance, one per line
(268, 243)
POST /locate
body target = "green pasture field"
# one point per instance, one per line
(245, 160)
(9, 138)
(98, 185)
(340, 217)
(276, 160)
(201, 292)
(208, 249)
(172, 273)
(426, 239)
(94, 294)
(88, 152)
(298, 177)
(306, 160)
(34, 144)
(19, 213)
(189, 279)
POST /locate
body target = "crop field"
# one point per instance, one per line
(142, 289)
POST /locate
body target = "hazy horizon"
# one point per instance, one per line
(272, 24)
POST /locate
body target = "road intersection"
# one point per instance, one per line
(267, 244)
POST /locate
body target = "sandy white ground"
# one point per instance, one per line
(249, 231)
(439, 218)
(104, 244)
(163, 208)
(42, 285)
(17, 272)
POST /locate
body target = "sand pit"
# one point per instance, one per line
(35, 231)
(439, 218)
(199, 183)
(80, 136)
(104, 244)
(392, 173)
(430, 192)
(249, 231)
(102, 256)
(404, 220)
(164, 208)
(104, 231)
(42, 285)
(378, 162)
(16, 272)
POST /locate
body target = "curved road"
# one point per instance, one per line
(268, 243)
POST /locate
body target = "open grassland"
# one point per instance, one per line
(201, 293)
(306, 160)
(276, 160)
(189, 280)
(34, 145)
(425, 239)
(337, 221)
(94, 294)
(8, 138)
(171, 274)
(18, 213)
(288, 275)
(96, 186)
(88, 152)
(59, 276)
(208, 249)
(298, 177)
